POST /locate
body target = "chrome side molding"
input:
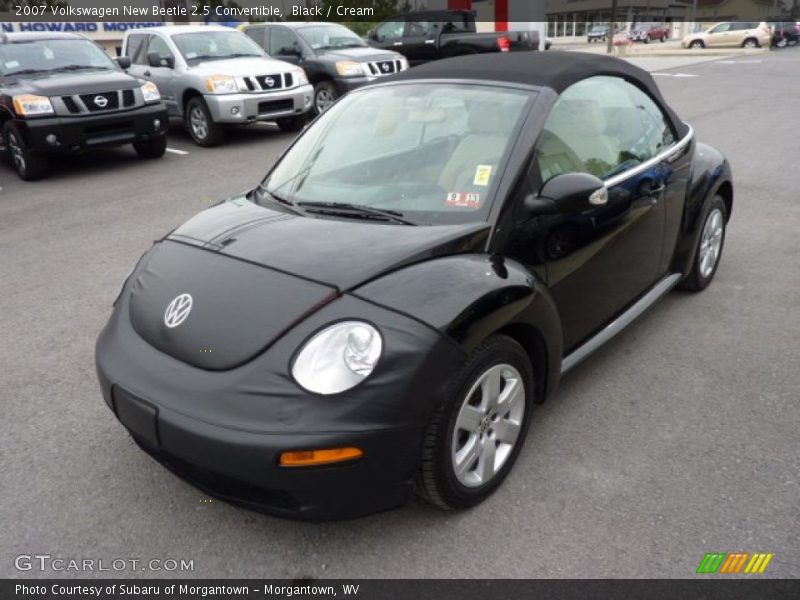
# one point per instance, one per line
(621, 322)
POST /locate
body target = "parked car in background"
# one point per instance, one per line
(598, 33)
(734, 34)
(61, 94)
(784, 33)
(648, 32)
(430, 35)
(334, 58)
(212, 76)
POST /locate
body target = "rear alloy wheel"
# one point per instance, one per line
(28, 165)
(474, 438)
(292, 124)
(750, 43)
(153, 148)
(782, 42)
(204, 131)
(696, 45)
(325, 94)
(709, 248)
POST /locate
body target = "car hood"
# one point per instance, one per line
(365, 54)
(79, 82)
(247, 274)
(342, 253)
(238, 67)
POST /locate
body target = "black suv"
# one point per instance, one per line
(334, 58)
(60, 93)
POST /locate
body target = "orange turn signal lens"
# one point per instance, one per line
(310, 458)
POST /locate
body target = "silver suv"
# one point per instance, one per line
(212, 75)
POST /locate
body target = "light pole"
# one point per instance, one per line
(612, 27)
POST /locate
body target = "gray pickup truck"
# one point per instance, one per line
(211, 76)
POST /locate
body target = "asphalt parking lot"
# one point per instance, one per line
(679, 438)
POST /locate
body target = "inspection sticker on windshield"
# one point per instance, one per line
(463, 200)
(482, 175)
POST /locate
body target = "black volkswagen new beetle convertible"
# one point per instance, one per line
(417, 271)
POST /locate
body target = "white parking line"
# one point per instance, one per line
(675, 74)
(176, 151)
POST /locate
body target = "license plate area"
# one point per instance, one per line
(138, 416)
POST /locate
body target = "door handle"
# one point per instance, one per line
(656, 190)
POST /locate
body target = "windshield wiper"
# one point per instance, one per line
(76, 68)
(262, 191)
(241, 54)
(346, 209)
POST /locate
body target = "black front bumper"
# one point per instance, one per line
(242, 467)
(74, 134)
(224, 430)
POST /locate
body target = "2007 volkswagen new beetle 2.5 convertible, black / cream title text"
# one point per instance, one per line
(418, 269)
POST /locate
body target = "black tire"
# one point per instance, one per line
(153, 148)
(325, 94)
(750, 43)
(698, 280)
(204, 131)
(697, 44)
(28, 165)
(646, 39)
(437, 481)
(292, 124)
(663, 39)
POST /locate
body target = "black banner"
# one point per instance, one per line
(368, 589)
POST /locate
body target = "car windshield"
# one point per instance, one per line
(47, 56)
(215, 45)
(429, 153)
(321, 37)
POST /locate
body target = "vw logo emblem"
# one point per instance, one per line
(178, 310)
(100, 101)
(269, 81)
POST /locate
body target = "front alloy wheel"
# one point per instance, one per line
(476, 434)
(750, 43)
(29, 166)
(487, 426)
(202, 128)
(325, 95)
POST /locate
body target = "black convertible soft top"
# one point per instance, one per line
(554, 70)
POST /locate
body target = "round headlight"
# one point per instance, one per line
(338, 357)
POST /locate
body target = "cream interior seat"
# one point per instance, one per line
(489, 134)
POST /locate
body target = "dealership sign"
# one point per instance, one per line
(92, 29)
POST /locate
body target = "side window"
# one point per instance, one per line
(721, 28)
(391, 30)
(257, 34)
(603, 126)
(135, 48)
(420, 29)
(282, 41)
(156, 44)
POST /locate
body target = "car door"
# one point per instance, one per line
(599, 261)
(389, 35)
(720, 35)
(163, 76)
(420, 41)
(284, 45)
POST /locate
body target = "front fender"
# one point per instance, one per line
(711, 175)
(470, 297)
